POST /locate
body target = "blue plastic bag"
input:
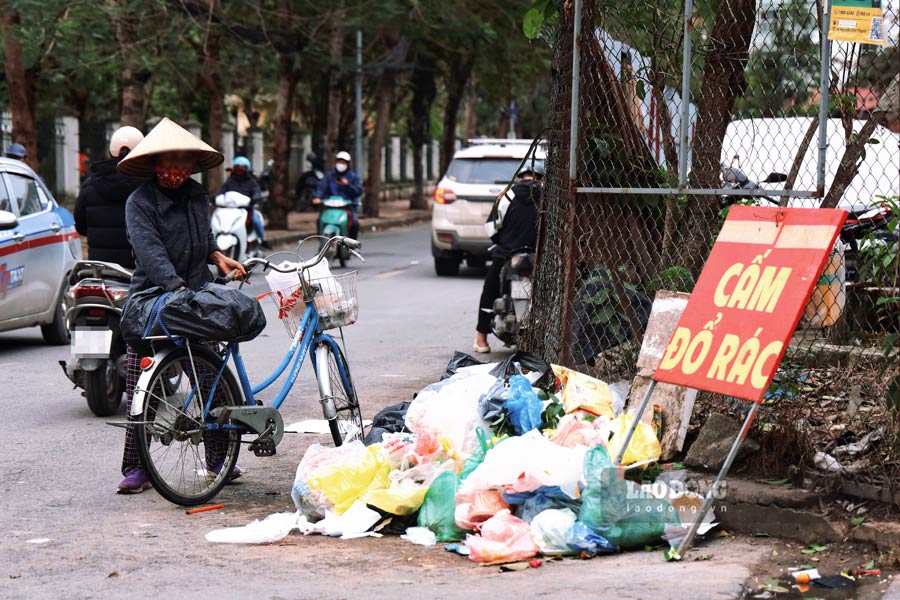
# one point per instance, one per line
(523, 405)
(584, 541)
(530, 504)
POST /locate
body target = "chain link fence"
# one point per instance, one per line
(673, 120)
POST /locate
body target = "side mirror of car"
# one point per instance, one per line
(7, 220)
(775, 178)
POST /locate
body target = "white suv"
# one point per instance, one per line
(464, 196)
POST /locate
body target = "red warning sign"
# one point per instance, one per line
(749, 298)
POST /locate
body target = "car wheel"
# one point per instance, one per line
(446, 267)
(56, 333)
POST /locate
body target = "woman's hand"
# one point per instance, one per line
(226, 265)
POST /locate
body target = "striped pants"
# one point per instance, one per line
(214, 444)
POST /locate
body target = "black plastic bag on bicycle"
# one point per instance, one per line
(215, 312)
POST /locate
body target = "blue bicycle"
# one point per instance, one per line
(192, 411)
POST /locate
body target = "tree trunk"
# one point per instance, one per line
(849, 164)
(335, 47)
(279, 203)
(20, 86)
(386, 88)
(424, 92)
(396, 47)
(470, 122)
(723, 84)
(798, 158)
(457, 77)
(132, 77)
(211, 76)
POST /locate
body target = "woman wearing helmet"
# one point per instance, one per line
(242, 181)
(168, 224)
(100, 206)
(344, 182)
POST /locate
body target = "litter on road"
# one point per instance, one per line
(508, 461)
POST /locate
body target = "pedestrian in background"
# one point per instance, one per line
(511, 225)
(100, 206)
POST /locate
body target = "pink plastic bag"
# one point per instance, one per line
(504, 538)
(573, 431)
(476, 507)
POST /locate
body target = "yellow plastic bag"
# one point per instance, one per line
(582, 392)
(402, 500)
(643, 448)
(344, 484)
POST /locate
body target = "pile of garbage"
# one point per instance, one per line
(508, 460)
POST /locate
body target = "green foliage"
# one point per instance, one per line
(675, 279)
(783, 65)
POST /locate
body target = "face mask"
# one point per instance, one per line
(340, 167)
(172, 177)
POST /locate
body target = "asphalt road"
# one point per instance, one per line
(65, 533)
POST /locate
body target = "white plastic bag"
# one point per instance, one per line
(271, 529)
(550, 531)
(527, 462)
(448, 410)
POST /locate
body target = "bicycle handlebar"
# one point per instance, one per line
(250, 263)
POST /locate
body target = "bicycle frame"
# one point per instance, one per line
(308, 337)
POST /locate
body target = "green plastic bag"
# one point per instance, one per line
(438, 510)
(618, 509)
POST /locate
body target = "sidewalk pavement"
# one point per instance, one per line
(395, 213)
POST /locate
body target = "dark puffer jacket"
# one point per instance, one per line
(171, 236)
(100, 213)
(244, 184)
(520, 224)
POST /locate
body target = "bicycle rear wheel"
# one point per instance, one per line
(338, 395)
(187, 462)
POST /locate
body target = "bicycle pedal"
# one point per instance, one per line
(264, 446)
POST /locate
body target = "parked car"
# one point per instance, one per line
(38, 246)
(464, 196)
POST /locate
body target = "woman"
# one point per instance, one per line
(167, 220)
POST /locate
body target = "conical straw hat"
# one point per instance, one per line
(168, 136)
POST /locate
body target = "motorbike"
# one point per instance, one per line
(335, 219)
(865, 225)
(96, 295)
(512, 307)
(231, 225)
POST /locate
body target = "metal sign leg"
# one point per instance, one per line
(711, 494)
(634, 424)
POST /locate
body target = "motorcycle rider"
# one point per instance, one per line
(512, 224)
(100, 206)
(344, 182)
(308, 183)
(242, 181)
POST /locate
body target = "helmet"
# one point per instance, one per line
(124, 140)
(16, 151)
(343, 155)
(241, 161)
(536, 171)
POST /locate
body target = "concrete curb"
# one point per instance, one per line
(752, 507)
(366, 225)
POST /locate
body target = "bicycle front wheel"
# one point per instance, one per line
(187, 461)
(338, 395)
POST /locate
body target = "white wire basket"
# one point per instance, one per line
(335, 298)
